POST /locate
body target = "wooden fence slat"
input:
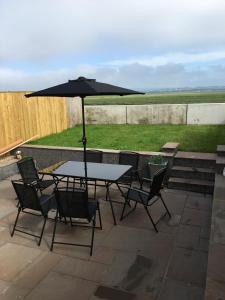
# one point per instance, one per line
(22, 118)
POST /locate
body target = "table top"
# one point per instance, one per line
(95, 171)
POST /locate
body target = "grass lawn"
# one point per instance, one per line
(159, 98)
(202, 138)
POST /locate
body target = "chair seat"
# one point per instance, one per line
(47, 202)
(92, 207)
(43, 184)
(138, 196)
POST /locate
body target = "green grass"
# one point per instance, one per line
(159, 98)
(199, 138)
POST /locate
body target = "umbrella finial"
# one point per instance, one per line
(82, 78)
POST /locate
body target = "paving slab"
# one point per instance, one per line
(216, 264)
(205, 232)
(203, 245)
(10, 291)
(6, 191)
(218, 222)
(57, 286)
(196, 155)
(33, 274)
(189, 266)
(175, 201)
(199, 203)
(83, 269)
(138, 273)
(188, 236)
(104, 255)
(178, 290)
(215, 290)
(196, 217)
(14, 259)
(131, 239)
(6, 208)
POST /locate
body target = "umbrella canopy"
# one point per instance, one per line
(83, 87)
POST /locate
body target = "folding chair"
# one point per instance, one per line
(146, 177)
(147, 198)
(29, 174)
(128, 158)
(74, 203)
(29, 199)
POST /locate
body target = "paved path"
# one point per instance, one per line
(130, 260)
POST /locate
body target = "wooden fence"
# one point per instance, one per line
(24, 118)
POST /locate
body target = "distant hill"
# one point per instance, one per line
(208, 89)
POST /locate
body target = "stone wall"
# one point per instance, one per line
(156, 114)
(205, 113)
(49, 155)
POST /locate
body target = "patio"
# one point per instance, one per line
(130, 260)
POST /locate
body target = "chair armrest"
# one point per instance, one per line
(139, 191)
(146, 179)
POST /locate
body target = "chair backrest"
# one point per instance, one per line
(94, 156)
(28, 170)
(157, 182)
(129, 158)
(72, 202)
(27, 195)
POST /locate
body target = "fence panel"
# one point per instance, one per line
(23, 118)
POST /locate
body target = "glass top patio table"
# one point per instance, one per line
(109, 173)
(95, 171)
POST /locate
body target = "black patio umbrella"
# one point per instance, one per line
(83, 87)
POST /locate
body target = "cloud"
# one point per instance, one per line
(131, 76)
(44, 29)
(138, 44)
(171, 58)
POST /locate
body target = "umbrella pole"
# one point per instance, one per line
(84, 141)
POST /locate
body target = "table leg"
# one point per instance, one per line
(110, 201)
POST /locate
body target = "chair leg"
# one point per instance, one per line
(42, 231)
(150, 217)
(95, 191)
(168, 212)
(54, 230)
(127, 202)
(123, 210)
(92, 235)
(17, 217)
(99, 216)
(139, 180)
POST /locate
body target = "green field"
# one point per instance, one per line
(200, 138)
(159, 98)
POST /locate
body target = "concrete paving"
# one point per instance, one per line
(130, 260)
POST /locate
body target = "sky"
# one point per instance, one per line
(139, 44)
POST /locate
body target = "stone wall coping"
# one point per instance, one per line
(79, 149)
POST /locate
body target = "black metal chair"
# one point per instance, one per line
(74, 203)
(29, 174)
(128, 158)
(29, 199)
(94, 155)
(146, 177)
(147, 199)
